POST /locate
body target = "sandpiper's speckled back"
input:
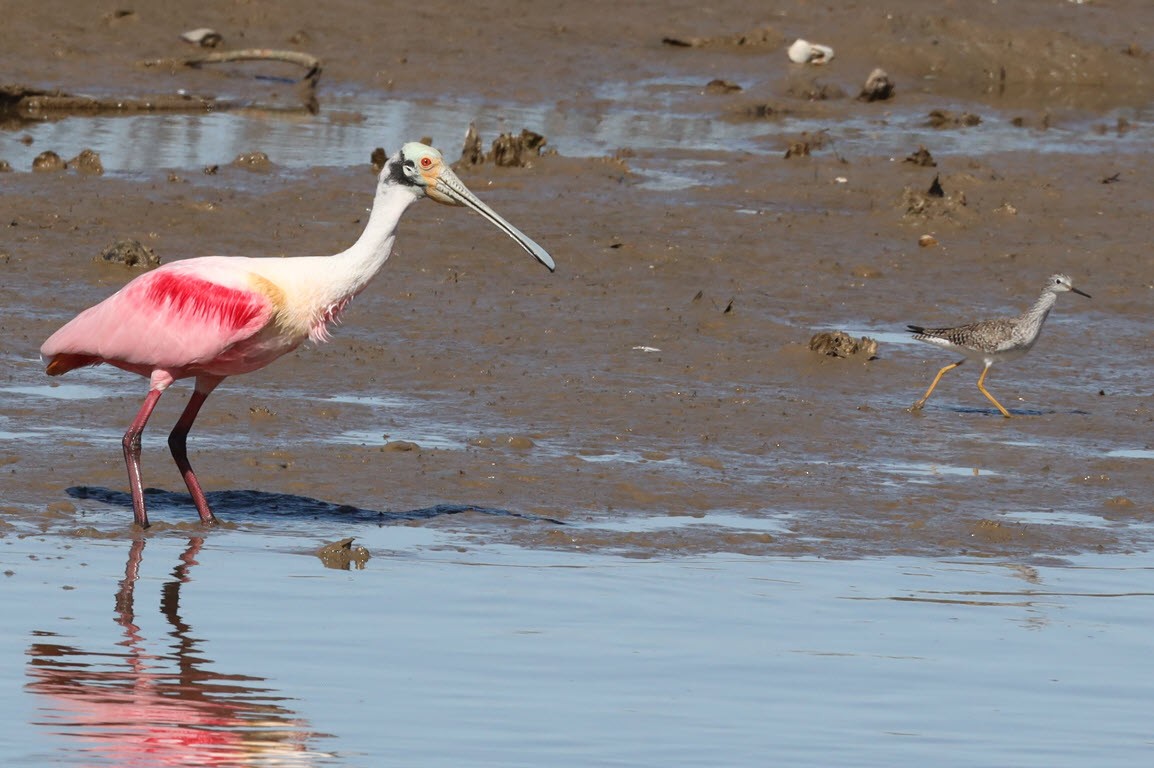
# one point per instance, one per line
(1000, 338)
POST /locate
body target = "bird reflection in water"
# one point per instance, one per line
(137, 707)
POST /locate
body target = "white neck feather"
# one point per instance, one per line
(344, 275)
(361, 262)
(1033, 318)
(1043, 305)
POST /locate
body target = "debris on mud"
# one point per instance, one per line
(945, 118)
(378, 158)
(253, 161)
(814, 90)
(311, 64)
(866, 272)
(35, 101)
(130, 253)
(48, 161)
(400, 446)
(24, 100)
(87, 161)
(806, 143)
(934, 203)
(841, 344)
(878, 87)
(923, 158)
(507, 150)
(761, 37)
(993, 532)
(764, 110)
(935, 189)
(343, 555)
(713, 304)
(472, 153)
(1042, 122)
(718, 85)
(797, 149)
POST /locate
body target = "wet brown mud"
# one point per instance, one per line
(663, 372)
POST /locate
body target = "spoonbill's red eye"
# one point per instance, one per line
(426, 163)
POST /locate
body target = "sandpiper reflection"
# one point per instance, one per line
(161, 703)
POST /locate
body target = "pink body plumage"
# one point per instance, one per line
(187, 318)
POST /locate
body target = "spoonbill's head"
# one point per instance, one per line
(424, 168)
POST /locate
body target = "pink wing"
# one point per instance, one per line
(183, 314)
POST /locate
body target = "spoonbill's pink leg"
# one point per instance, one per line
(131, 443)
(176, 444)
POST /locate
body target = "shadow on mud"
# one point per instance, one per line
(260, 505)
(978, 410)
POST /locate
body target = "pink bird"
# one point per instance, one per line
(217, 316)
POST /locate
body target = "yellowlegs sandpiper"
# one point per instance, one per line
(993, 341)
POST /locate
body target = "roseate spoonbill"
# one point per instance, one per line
(993, 341)
(217, 316)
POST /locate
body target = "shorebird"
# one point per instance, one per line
(994, 341)
(217, 316)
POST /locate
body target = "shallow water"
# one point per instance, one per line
(647, 117)
(238, 647)
(248, 652)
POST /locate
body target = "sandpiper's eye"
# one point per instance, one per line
(426, 163)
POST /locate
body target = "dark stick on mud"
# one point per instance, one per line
(21, 99)
(32, 101)
(310, 63)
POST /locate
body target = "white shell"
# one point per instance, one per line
(805, 52)
(204, 37)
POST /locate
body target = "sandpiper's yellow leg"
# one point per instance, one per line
(982, 387)
(918, 405)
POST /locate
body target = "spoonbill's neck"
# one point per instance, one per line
(372, 249)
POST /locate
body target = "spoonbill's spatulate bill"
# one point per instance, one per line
(994, 341)
(218, 316)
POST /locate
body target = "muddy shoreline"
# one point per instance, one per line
(663, 372)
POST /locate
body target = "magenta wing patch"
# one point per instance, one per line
(169, 318)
